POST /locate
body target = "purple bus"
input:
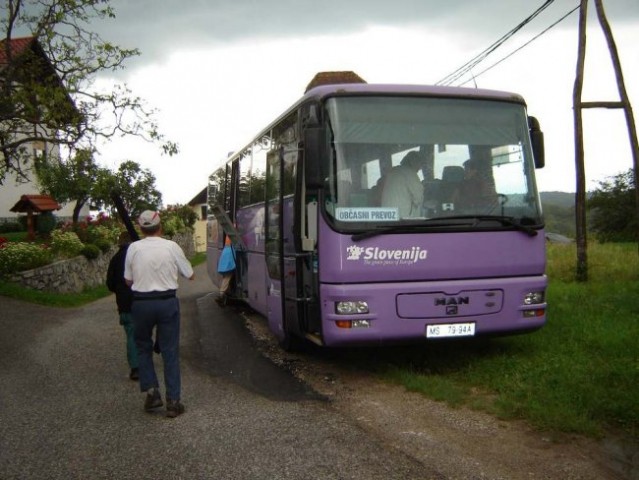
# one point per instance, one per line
(378, 214)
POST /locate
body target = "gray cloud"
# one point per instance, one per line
(159, 27)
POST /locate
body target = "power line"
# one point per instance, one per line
(524, 45)
(449, 79)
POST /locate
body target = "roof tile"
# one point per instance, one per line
(17, 46)
(36, 203)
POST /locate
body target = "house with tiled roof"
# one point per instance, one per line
(199, 205)
(17, 46)
(13, 54)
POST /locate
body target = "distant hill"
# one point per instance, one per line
(559, 212)
(560, 199)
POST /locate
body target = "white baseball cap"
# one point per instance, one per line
(149, 218)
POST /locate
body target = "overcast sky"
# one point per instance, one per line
(219, 71)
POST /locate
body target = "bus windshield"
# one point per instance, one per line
(430, 162)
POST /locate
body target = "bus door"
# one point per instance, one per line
(282, 260)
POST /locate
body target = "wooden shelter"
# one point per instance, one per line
(34, 204)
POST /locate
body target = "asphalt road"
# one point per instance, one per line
(68, 409)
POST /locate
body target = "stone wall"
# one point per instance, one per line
(76, 274)
(187, 242)
(66, 276)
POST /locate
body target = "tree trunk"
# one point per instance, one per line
(76, 209)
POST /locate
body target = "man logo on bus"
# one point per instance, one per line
(354, 252)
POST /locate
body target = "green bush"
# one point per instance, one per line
(185, 213)
(20, 256)
(90, 251)
(103, 244)
(10, 226)
(102, 233)
(177, 219)
(172, 226)
(65, 244)
(45, 223)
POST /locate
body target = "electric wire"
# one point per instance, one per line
(452, 77)
(474, 76)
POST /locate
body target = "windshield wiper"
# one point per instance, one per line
(428, 224)
(376, 231)
(473, 220)
(505, 221)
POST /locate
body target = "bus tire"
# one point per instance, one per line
(290, 342)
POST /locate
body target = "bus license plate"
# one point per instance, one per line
(450, 330)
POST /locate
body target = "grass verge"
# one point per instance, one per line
(578, 374)
(68, 300)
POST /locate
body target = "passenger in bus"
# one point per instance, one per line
(450, 188)
(476, 190)
(402, 187)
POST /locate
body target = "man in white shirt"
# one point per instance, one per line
(151, 269)
(402, 187)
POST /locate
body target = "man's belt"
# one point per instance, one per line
(166, 294)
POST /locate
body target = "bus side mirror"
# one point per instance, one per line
(537, 142)
(314, 156)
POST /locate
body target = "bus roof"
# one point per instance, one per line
(323, 91)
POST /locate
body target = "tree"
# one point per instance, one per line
(612, 209)
(46, 82)
(135, 185)
(72, 180)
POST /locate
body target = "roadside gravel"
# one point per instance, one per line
(452, 441)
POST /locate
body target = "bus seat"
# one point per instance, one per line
(452, 176)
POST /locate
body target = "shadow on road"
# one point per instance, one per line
(229, 351)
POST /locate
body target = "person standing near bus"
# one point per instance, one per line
(226, 268)
(151, 269)
(123, 298)
(403, 189)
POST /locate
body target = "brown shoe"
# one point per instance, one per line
(174, 408)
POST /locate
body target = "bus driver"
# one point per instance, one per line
(402, 187)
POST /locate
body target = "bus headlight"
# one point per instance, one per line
(534, 298)
(351, 308)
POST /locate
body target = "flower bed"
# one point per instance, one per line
(75, 256)
(16, 256)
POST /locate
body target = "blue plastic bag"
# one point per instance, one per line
(227, 260)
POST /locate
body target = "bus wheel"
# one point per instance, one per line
(290, 342)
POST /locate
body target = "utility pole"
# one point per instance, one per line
(580, 171)
(578, 105)
(625, 103)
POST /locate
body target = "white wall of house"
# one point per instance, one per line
(199, 236)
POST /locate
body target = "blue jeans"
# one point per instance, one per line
(126, 320)
(164, 316)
